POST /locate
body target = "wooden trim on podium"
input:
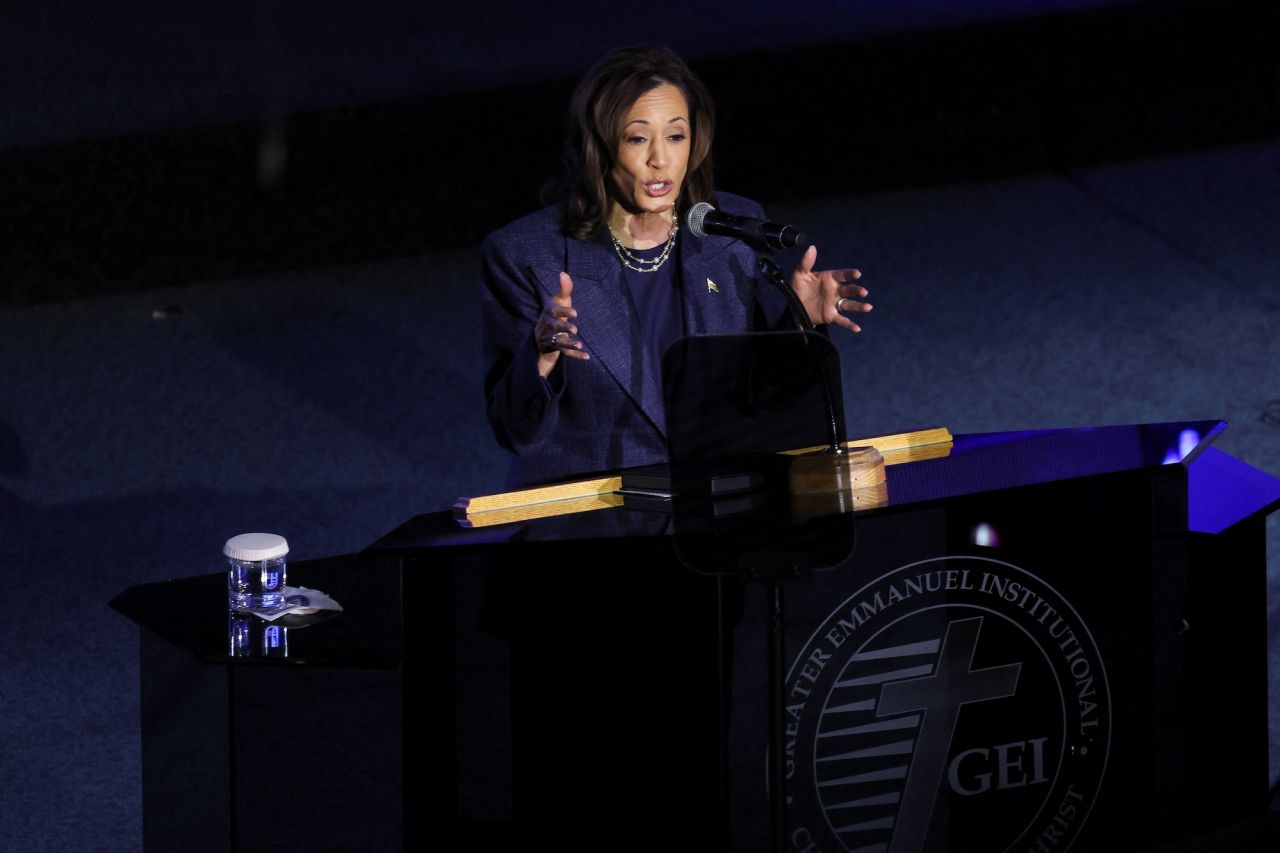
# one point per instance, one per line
(538, 495)
(543, 509)
(919, 444)
(599, 493)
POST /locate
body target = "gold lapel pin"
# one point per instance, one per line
(712, 287)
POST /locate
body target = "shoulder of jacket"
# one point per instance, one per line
(739, 205)
(534, 234)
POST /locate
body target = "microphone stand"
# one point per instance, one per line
(769, 267)
(776, 616)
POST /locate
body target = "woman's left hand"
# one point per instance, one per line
(829, 294)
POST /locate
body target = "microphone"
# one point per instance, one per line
(703, 219)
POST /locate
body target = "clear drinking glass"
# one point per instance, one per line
(257, 569)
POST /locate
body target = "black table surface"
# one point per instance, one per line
(192, 613)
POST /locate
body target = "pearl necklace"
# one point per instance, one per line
(633, 262)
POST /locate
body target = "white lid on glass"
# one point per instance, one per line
(256, 546)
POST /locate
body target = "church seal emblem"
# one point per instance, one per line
(951, 704)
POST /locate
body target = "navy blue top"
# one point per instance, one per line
(659, 306)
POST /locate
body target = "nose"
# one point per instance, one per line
(658, 154)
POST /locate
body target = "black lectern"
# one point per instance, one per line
(1043, 640)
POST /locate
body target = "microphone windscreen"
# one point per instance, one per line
(697, 214)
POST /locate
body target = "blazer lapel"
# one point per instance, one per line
(715, 302)
(607, 321)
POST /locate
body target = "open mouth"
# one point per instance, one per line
(657, 189)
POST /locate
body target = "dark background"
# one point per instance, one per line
(146, 145)
(238, 278)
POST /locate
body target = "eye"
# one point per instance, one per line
(676, 137)
(636, 140)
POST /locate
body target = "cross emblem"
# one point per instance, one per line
(940, 696)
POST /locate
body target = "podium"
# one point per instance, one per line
(1042, 640)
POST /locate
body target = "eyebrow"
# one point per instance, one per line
(645, 121)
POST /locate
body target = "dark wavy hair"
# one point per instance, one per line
(594, 130)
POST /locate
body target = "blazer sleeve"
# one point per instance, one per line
(522, 406)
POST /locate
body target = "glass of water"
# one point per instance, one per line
(256, 570)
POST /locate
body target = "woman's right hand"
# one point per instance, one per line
(555, 331)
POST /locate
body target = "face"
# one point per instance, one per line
(652, 152)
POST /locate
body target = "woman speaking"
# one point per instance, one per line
(582, 298)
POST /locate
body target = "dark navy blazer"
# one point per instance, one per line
(605, 413)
